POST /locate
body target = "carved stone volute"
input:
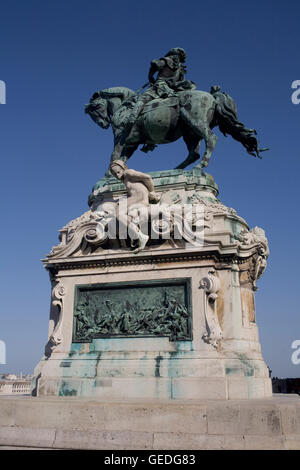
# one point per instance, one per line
(56, 337)
(211, 285)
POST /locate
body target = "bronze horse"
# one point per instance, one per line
(190, 114)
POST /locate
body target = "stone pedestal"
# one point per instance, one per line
(174, 321)
(72, 423)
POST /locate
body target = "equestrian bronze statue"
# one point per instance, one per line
(170, 108)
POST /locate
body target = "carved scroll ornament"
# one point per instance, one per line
(56, 337)
(211, 285)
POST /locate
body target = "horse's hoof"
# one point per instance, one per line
(202, 164)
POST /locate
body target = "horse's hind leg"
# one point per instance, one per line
(200, 127)
(192, 143)
(210, 143)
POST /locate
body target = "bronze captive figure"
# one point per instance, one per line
(169, 109)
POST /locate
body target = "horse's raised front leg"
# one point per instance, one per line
(128, 151)
(117, 151)
(116, 154)
(126, 141)
(121, 152)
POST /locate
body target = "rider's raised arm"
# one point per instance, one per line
(155, 66)
(140, 177)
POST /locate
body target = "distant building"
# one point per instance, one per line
(11, 384)
(280, 385)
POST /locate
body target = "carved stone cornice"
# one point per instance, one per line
(216, 252)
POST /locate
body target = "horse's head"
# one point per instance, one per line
(105, 102)
(97, 109)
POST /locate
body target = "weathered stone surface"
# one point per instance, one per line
(221, 442)
(237, 389)
(71, 423)
(172, 441)
(264, 443)
(223, 419)
(7, 413)
(290, 418)
(178, 441)
(262, 420)
(93, 440)
(158, 418)
(27, 436)
(82, 416)
(199, 388)
(292, 442)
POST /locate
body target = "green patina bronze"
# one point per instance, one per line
(162, 180)
(168, 109)
(149, 308)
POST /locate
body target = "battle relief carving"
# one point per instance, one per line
(56, 337)
(139, 309)
(254, 245)
(211, 285)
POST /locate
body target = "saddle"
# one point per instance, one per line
(158, 103)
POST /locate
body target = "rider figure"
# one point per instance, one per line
(169, 80)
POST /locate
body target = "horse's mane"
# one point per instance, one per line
(226, 110)
(117, 91)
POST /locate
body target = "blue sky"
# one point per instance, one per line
(54, 55)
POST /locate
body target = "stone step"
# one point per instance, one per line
(72, 423)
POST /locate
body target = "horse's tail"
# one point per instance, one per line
(227, 120)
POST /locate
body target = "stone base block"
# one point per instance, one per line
(73, 423)
(152, 375)
(196, 388)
